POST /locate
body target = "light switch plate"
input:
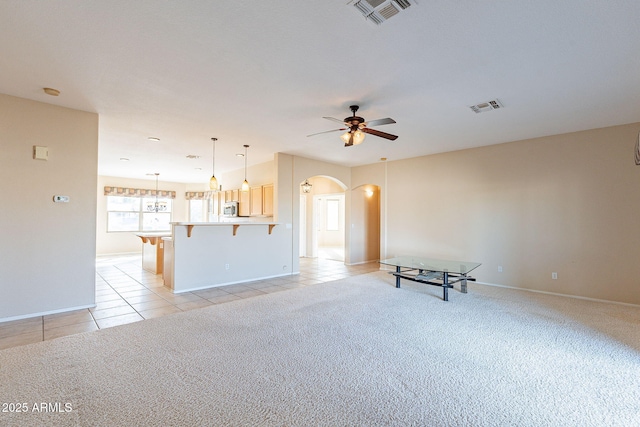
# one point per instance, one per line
(40, 153)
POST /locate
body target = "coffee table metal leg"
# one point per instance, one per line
(397, 277)
(463, 284)
(445, 286)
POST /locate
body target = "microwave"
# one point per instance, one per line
(230, 209)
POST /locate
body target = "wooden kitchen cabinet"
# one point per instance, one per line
(267, 200)
(244, 208)
(256, 200)
(261, 200)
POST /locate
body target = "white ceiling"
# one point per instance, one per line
(264, 73)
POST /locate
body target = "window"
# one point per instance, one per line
(333, 215)
(196, 210)
(138, 214)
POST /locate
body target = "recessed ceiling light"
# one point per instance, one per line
(192, 156)
(239, 155)
(124, 159)
(51, 91)
(198, 169)
(383, 159)
(153, 138)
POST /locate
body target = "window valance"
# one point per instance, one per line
(137, 192)
(199, 195)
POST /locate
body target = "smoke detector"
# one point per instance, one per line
(378, 11)
(486, 106)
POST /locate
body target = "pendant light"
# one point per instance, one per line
(245, 184)
(156, 207)
(213, 182)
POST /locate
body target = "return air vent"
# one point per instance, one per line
(378, 11)
(486, 106)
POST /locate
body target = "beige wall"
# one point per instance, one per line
(260, 174)
(47, 259)
(565, 203)
(365, 224)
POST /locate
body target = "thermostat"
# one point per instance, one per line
(61, 199)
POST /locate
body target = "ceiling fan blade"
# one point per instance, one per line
(380, 122)
(327, 131)
(333, 119)
(380, 134)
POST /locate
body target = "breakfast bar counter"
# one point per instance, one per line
(202, 255)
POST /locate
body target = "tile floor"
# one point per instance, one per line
(126, 293)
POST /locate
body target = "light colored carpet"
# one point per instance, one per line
(355, 352)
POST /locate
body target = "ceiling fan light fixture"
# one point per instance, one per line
(357, 127)
(358, 137)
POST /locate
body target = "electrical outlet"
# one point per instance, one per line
(554, 276)
(499, 269)
(226, 266)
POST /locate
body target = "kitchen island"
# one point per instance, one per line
(152, 251)
(202, 255)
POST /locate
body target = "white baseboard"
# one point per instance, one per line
(254, 279)
(558, 294)
(117, 254)
(45, 313)
(361, 262)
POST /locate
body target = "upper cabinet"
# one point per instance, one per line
(256, 200)
(267, 200)
(261, 200)
(244, 203)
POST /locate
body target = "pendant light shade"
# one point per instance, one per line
(213, 182)
(245, 184)
(156, 206)
(358, 137)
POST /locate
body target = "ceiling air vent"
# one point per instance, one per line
(378, 11)
(388, 11)
(375, 3)
(486, 106)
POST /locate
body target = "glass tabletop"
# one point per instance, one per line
(431, 264)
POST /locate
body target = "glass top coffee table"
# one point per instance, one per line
(430, 271)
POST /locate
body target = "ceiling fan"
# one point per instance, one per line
(357, 127)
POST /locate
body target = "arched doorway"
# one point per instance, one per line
(322, 218)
